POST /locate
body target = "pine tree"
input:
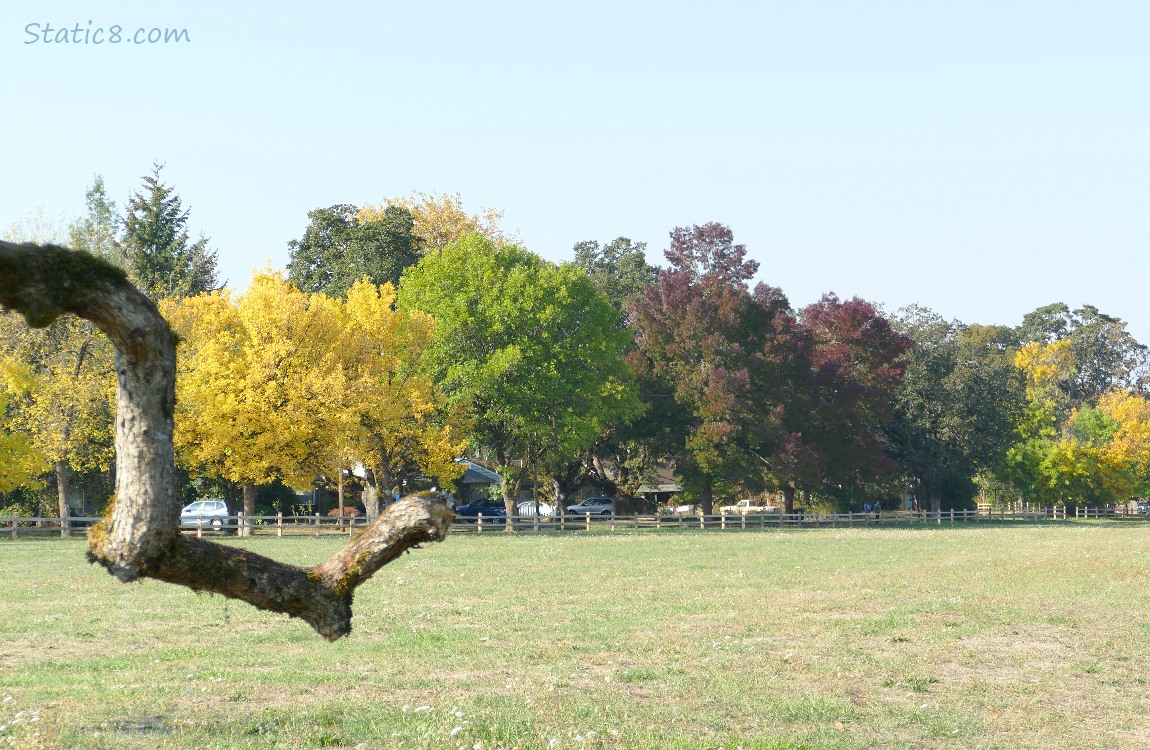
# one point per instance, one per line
(160, 258)
(96, 232)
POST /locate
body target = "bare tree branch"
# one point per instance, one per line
(139, 535)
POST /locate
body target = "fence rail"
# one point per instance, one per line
(317, 525)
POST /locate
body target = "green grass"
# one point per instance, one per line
(997, 637)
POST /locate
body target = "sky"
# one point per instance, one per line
(980, 158)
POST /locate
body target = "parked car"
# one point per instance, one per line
(526, 509)
(491, 509)
(681, 510)
(745, 506)
(596, 506)
(213, 513)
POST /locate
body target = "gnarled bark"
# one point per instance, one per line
(139, 536)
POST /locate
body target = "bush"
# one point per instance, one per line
(349, 511)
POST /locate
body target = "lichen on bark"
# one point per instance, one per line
(139, 535)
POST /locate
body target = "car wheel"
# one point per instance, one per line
(217, 524)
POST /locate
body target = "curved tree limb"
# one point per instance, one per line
(139, 535)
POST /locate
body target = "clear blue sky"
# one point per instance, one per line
(978, 158)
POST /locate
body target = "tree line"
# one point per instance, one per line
(404, 335)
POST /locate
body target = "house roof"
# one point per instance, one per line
(476, 474)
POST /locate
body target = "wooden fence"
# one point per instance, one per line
(317, 525)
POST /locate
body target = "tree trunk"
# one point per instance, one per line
(140, 536)
(62, 497)
(707, 498)
(788, 499)
(560, 497)
(249, 509)
(935, 501)
(385, 497)
(370, 496)
(626, 505)
(510, 495)
(340, 499)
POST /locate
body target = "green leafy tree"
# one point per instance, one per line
(161, 259)
(1106, 355)
(338, 248)
(957, 405)
(532, 352)
(627, 453)
(619, 268)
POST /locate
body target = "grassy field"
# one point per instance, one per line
(1007, 637)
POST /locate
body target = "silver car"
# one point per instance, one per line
(207, 513)
(596, 506)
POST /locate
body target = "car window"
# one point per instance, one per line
(194, 507)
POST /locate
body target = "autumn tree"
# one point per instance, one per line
(727, 354)
(440, 219)
(399, 416)
(139, 535)
(260, 376)
(835, 440)
(161, 258)
(1067, 454)
(531, 351)
(21, 463)
(66, 408)
(339, 247)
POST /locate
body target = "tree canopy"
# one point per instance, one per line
(531, 351)
(338, 248)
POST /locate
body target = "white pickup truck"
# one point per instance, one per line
(747, 506)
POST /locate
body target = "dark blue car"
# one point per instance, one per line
(491, 509)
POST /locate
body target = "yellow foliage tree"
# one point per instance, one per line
(440, 219)
(22, 464)
(66, 404)
(260, 379)
(281, 384)
(1130, 444)
(399, 413)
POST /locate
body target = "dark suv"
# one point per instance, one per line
(492, 510)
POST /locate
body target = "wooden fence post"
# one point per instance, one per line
(587, 516)
(280, 524)
(478, 523)
(317, 524)
(15, 526)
